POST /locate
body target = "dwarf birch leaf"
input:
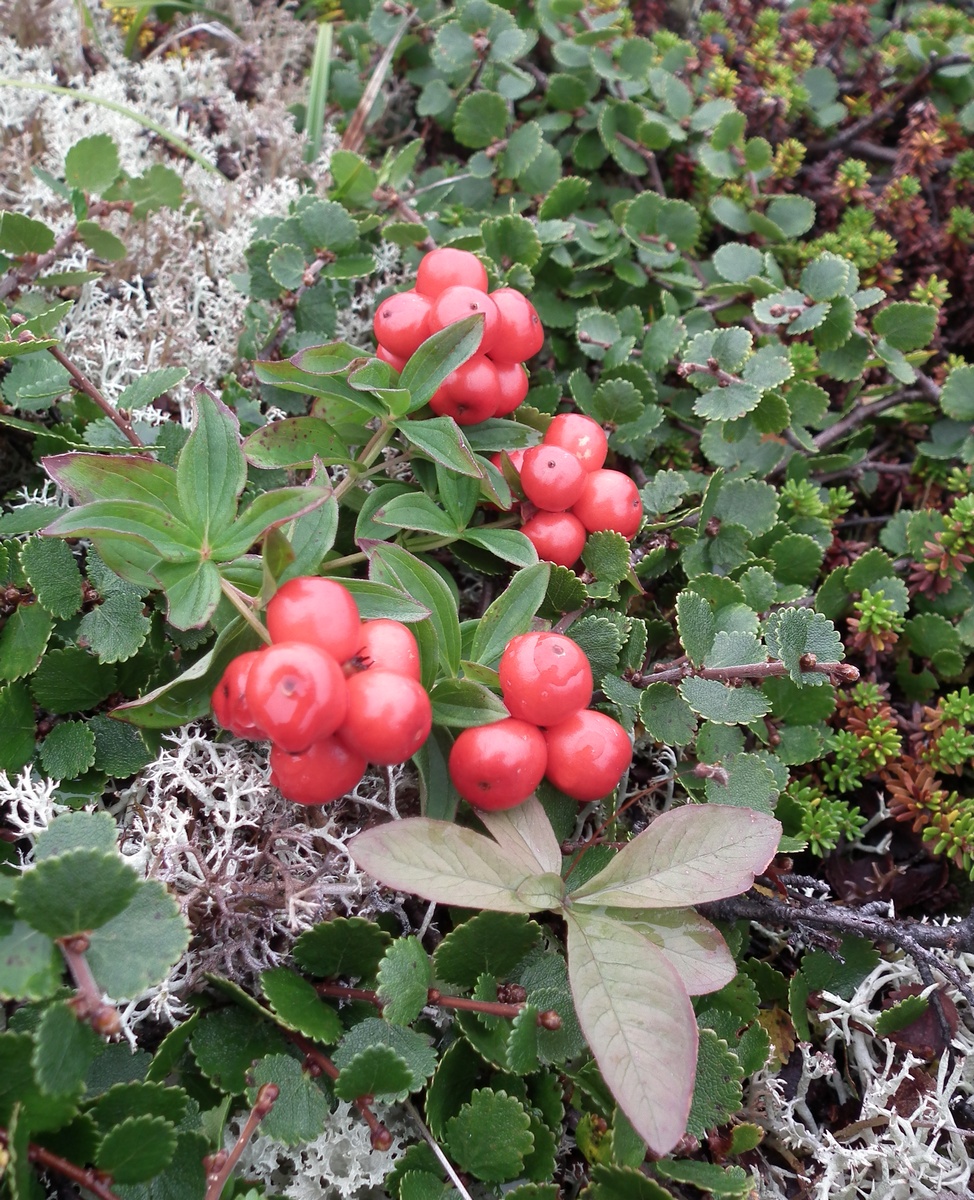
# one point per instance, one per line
(638, 1021)
(442, 862)
(524, 834)
(690, 943)
(375, 1071)
(299, 1007)
(487, 944)
(689, 855)
(696, 625)
(302, 1107)
(405, 977)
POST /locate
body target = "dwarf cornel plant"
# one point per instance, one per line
(748, 241)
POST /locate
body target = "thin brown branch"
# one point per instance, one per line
(219, 1166)
(865, 412)
(355, 133)
(88, 1003)
(32, 265)
(489, 1008)
(86, 1177)
(649, 158)
(672, 673)
(806, 915)
(84, 384)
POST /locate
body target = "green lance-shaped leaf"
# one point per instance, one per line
(638, 1021)
(511, 613)
(268, 511)
(393, 565)
(687, 856)
(211, 471)
(88, 477)
(462, 703)
(438, 356)
(164, 535)
(443, 862)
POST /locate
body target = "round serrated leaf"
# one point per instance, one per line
(301, 1109)
(139, 1099)
(23, 640)
(72, 680)
(374, 1071)
(68, 750)
(299, 1007)
(825, 277)
(287, 266)
(53, 574)
(737, 262)
(30, 966)
(74, 892)
(228, 1041)
(64, 1049)
(511, 239)
(491, 1136)
(120, 749)
(137, 1149)
(92, 164)
(115, 629)
(480, 119)
(715, 701)
(414, 1048)
(349, 946)
(137, 948)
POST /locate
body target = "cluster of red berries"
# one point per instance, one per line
(451, 284)
(546, 682)
(569, 494)
(332, 692)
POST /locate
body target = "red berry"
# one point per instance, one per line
(587, 755)
(580, 436)
(230, 702)
(468, 394)
(296, 693)
(324, 772)
(448, 267)
(388, 645)
(389, 716)
(516, 457)
(454, 303)
(609, 500)
(552, 478)
(512, 386)
(558, 537)
(498, 766)
(394, 360)
(544, 677)
(402, 323)
(318, 611)
(520, 334)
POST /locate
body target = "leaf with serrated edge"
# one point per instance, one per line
(692, 945)
(525, 835)
(638, 1021)
(443, 862)
(374, 1071)
(689, 855)
(138, 947)
(405, 977)
(299, 1007)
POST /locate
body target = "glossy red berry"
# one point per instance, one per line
(402, 323)
(552, 478)
(587, 755)
(544, 678)
(318, 611)
(448, 267)
(581, 436)
(468, 394)
(454, 303)
(389, 716)
(230, 702)
(609, 500)
(512, 386)
(558, 537)
(498, 766)
(520, 334)
(394, 360)
(324, 772)
(296, 693)
(387, 645)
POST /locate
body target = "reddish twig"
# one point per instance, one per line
(489, 1008)
(86, 1177)
(220, 1165)
(835, 672)
(84, 384)
(88, 1003)
(381, 1137)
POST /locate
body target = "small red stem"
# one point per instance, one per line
(86, 1177)
(381, 1137)
(220, 1166)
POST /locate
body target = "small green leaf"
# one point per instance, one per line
(30, 965)
(905, 325)
(717, 1094)
(295, 442)
(442, 440)
(898, 1016)
(76, 891)
(623, 1183)
(607, 556)
(23, 235)
(750, 784)
(709, 1177)
(438, 356)
(137, 1149)
(511, 613)
(791, 633)
(375, 1071)
(102, 243)
(727, 403)
(23, 640)
(490, 943)
(737, 262)
(411, 1047)
(511, 239)
(301, 1110)
(68, 750)
(227, 1041)
(666, 715)
(299, 1007)
(64, 1049)
(211, 470)
(480, 119)
(92, 164)
(715, 701)
(53, 574)
(287, 265)
(826, 277)
(415, 510)
(138, 948)
(150, 386)
(490, 1136)
(72, 681)
(462, 703)
(116, 629)
(344, 946)
(696, 625)
(957, 396)
(17, 723)
(405, 977)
